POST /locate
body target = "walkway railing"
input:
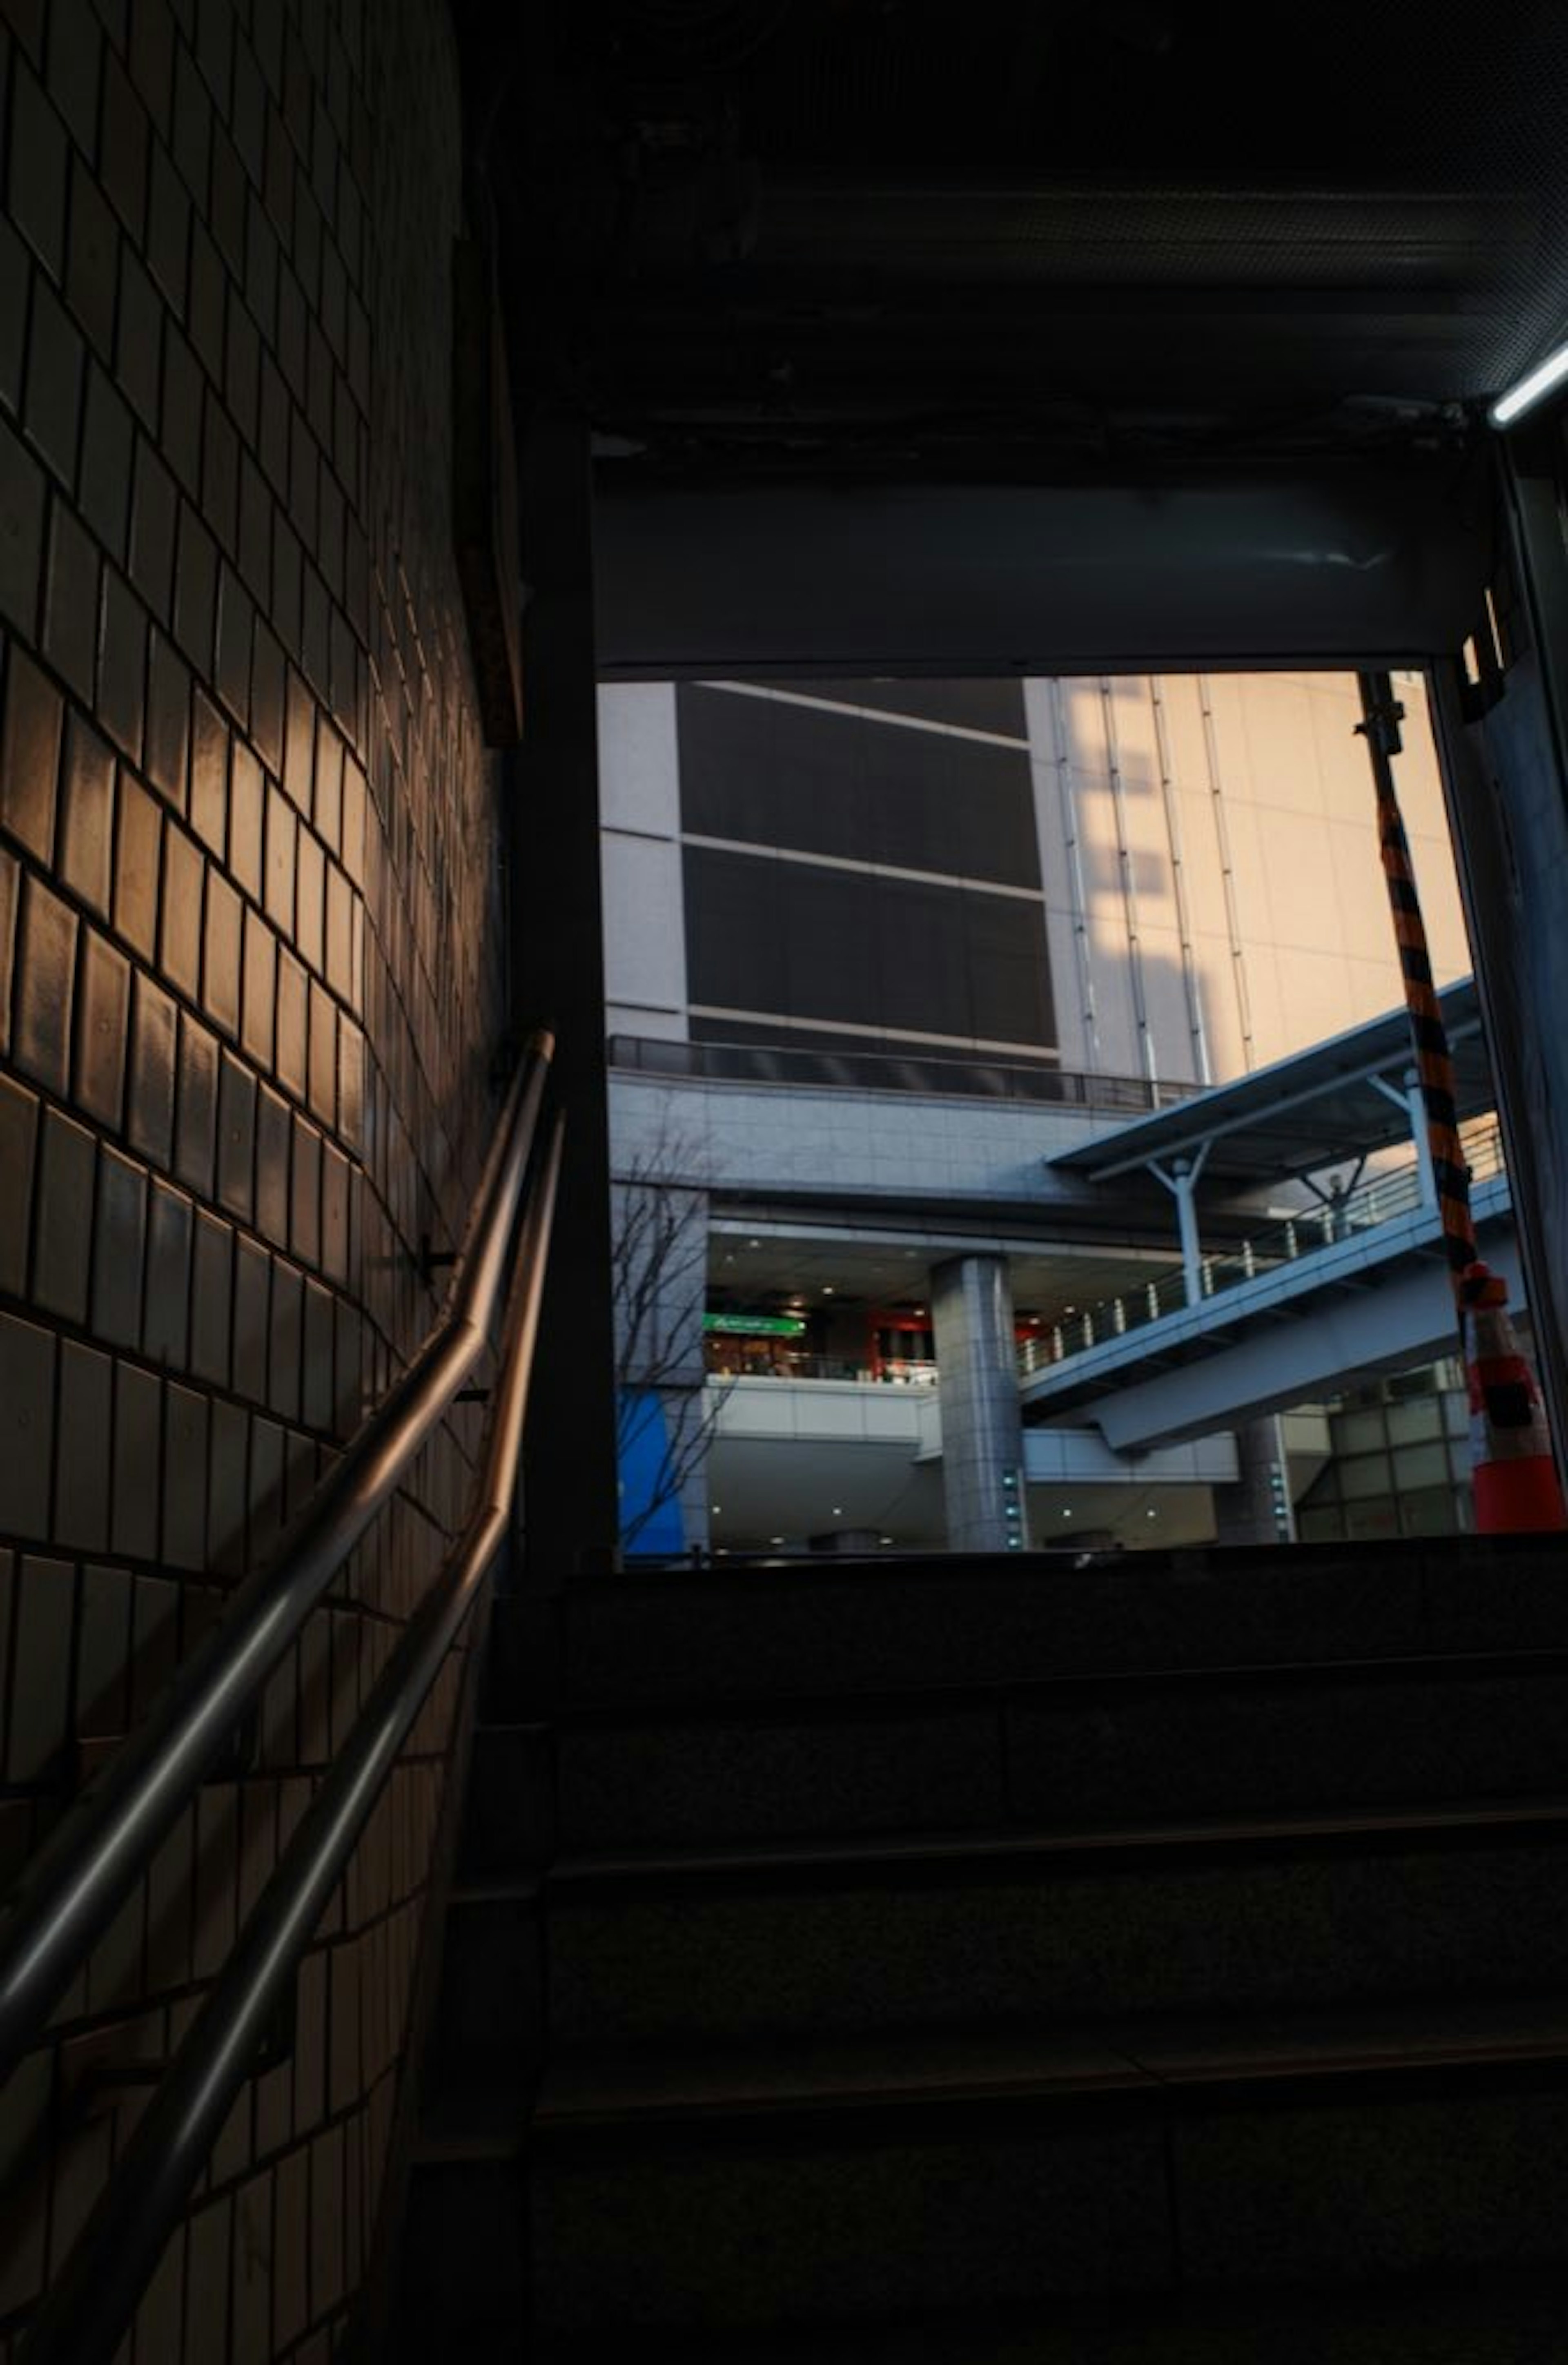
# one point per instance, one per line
(827, 1367)
(891, 1071)
(1387, 1196)
(74, 1888)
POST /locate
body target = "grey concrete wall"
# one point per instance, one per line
(247, 1008)
(900, 1144)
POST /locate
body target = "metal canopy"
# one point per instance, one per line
(1299, 1113)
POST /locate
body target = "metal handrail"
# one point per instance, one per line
(72, 1887)
(85, 2316)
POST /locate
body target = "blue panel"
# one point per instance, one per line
(651, 1518)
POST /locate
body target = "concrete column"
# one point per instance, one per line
(982, 1435)
(1255, 1509)
(1506, 771)
(1415, 1100)
(1192, 1247)
(1180, 1180)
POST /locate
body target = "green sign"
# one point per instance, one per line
(755, 1326)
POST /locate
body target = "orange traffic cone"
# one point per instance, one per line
(1512, 1471)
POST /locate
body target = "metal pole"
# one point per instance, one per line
(1381, 716)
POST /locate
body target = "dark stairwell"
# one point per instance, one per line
(1117, 1960)
(831, 1968)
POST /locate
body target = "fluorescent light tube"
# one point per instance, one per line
(1529, 390)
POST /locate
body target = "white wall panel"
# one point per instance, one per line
(1277, 719)
(1273, 1032)
(1302, 906)
(1220, 1005)
(644, 940)
(1168, 1005)
(1120, 1050)
(1184, 695)
(1051, 782)
(638, 758)
(644, 910)
(1361, 893)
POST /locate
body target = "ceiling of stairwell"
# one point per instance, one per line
(899, 239)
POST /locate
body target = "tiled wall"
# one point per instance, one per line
(249, 1003)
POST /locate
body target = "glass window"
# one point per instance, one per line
(1420, 1466)
(867, 951)
(1364, 1476)
(769, 771)
(1420, 1417)
(1322, 1524)
(1431, 1511)
(1367, 1522)
(1360, 1432)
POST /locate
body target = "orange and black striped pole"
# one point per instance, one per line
(1381, 714)
(1514, 1478)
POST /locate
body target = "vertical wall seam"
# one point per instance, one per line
(1192, 981)
(1227, 875)
(1082, 949)
(1147, 1062)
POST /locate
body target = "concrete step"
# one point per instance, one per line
(487, 2034)
(885, 1625)
(1227, 1914)
(509, 1817)
(1508, 2316)
(1090, 1747)
(1145, 2159)
(1127, 1962)
(463, 2262)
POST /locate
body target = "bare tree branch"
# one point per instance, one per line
(659, 1277)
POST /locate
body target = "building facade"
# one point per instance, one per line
(875, 952)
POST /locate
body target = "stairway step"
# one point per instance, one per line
(1513, 2317)
(473, 2123)
(1128, 1961)
(1092, 1747)
(1231, 1913)
(765, 1863)
(625, 2090)
(487, 2036)
(463, 2258)
(884, 1624)
(1120, 2160)
(508, 1814)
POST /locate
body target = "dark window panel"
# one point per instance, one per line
(791, 939)
(735, 929)
(971, 705)
(765, 772)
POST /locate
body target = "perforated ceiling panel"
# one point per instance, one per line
(892, 236)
